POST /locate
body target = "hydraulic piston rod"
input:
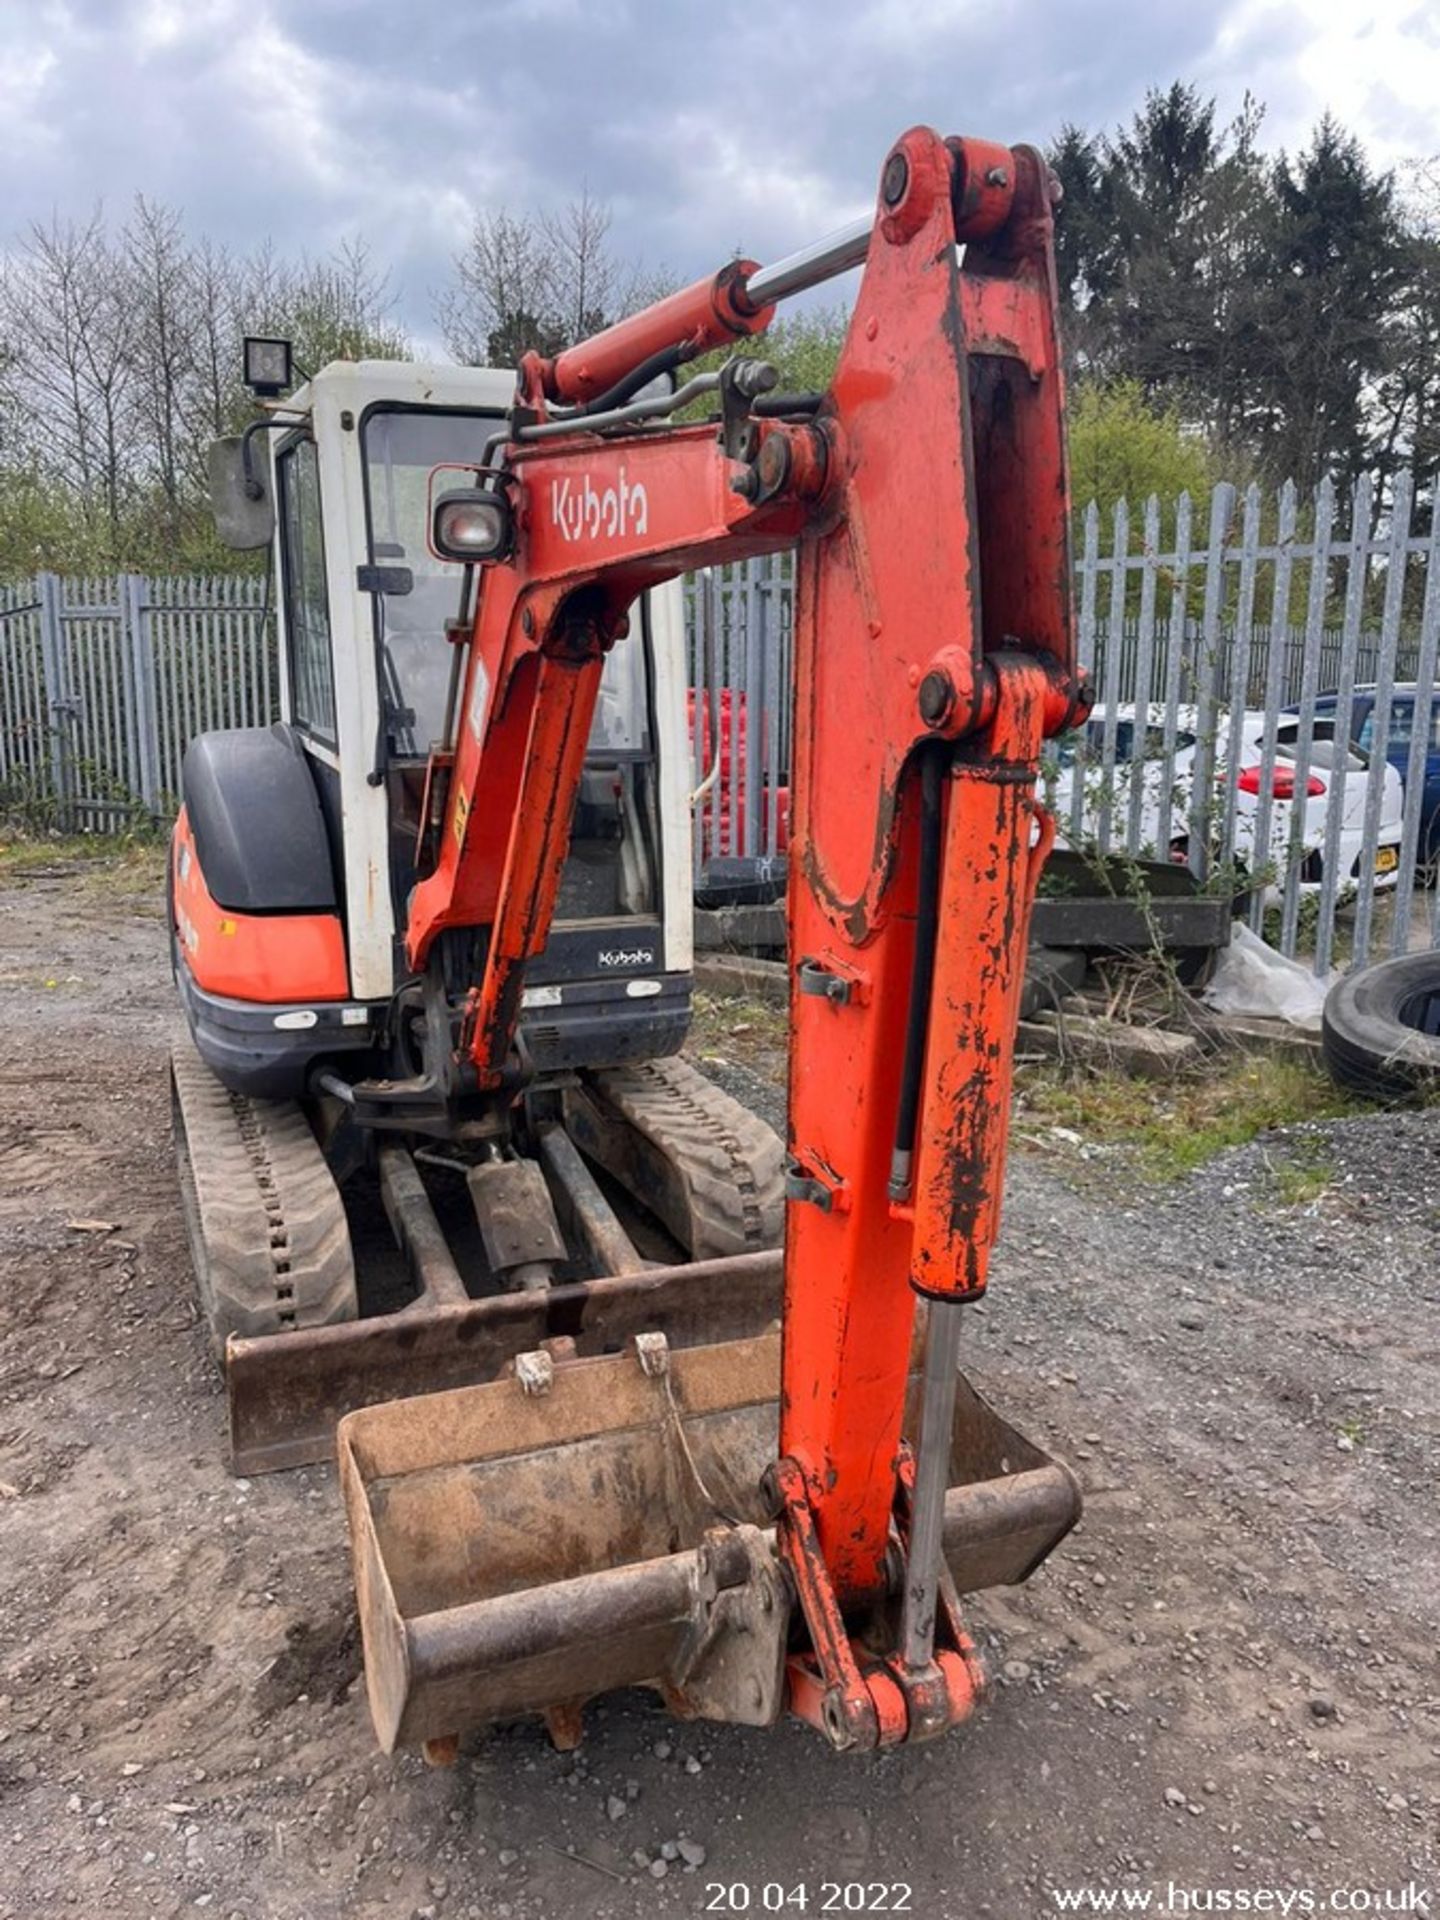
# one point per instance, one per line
(932, 1478)
(811, 266)
(739, 300)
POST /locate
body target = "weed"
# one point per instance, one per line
(100, 863)
(1175, 1126)
(1305, 1175)
(735, 1027)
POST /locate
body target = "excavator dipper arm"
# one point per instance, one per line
(927, 502)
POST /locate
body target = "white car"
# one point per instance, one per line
(1153, 818)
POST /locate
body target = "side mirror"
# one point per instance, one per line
(242, 520)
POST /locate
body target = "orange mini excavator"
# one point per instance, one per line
(632, 1475)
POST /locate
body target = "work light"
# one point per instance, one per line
(267, 365)
(470, 524)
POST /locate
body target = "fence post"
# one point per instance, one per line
(1085, 650)
(59, 707)
(1398, 547)
(1356, 575)
(1176, 633)
(1321, 529)
(135, 601)
(1207, 670)
(1110, 678)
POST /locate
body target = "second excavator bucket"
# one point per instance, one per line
(588, 1524)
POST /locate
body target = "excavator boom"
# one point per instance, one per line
(782, 1520)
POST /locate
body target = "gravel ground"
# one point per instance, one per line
(1226, 1679)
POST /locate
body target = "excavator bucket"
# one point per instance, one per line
(583, 1525)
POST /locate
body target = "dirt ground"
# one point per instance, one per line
(1226, 1680)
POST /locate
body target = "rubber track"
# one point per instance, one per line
(267, 1227)
(728, 1164)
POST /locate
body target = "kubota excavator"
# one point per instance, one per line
(754, 1481)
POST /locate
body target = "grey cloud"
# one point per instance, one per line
(306, 120)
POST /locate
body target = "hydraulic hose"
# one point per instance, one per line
(665, 361)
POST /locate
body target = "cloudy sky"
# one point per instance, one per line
(759, 125)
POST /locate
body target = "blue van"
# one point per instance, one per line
(1404, 702)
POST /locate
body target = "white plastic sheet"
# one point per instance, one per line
(1251, 978)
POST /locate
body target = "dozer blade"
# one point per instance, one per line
(287, 1391)
(523, 1546)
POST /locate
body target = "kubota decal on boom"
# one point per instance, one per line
(580, 511)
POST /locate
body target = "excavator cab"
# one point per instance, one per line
(362, 609)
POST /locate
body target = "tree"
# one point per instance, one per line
(1283, 307)
(39, 524)
(538, 281)
(65, 313)
(501, 297)
(1124, 446)
(1342, 265)
(336, 308)
(589, 287)
(1408, 396)
(1131, 256)
(157, 269)
(123, 359)
(1160, 249)
(1088, 252)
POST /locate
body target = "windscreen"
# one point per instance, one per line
(612, 868)
(401, 450)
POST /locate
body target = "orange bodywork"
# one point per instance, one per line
(928, 503)
(274, 959)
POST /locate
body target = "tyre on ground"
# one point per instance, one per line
(1381, 1029)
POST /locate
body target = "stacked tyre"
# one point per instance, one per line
(1381, 1030)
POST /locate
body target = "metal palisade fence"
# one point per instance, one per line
(1264, 672)
(104, 682)
(1264, 668)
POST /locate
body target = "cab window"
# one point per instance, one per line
(401, 449)
(613, 866)
(307, 615)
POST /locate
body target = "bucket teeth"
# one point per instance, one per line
(652, 1350)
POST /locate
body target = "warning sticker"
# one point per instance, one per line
(479, 698)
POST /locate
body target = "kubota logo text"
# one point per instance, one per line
(581, 512)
